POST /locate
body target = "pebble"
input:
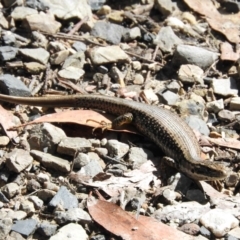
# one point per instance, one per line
(219, 222)
(226, 115)
(225, 87)
(46, 229)
(190, 74)
(186, 54)
(8, 53)
(71, 231)
(190, 228)
(51, 162)
(25, 227)
(92, 168)
(117, 149)
(72, 215)
(182, 212)
(235, 103)
(132, 34)
(215, 106)
(13, 86)
(38, 54)
(108, 31)
(64, 198)
(138, 156)
(18, 160)
(69, 145)
(167, 39)
(110, 54)
(198, 124)
(10, 190)
(169, 98)
(5, 227)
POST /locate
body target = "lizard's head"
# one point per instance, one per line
(208, 171)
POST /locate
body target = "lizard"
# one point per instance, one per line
(165, 128)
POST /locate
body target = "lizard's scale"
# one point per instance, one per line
(162, 126)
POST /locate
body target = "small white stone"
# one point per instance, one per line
(219, 222)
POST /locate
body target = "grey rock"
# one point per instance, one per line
(225, 87)
(37, 54)
(25, 227)
(40, 41)
(45, 137)
(169, 98)
(173, 86)
(72, 215)
(166, 7)
(219, 222)
(116, 149)
(205, 232)
(72, 73)
(167, 40)
(38, 203)
(185, 54)
(18, 160)
(76, 60)
(79, 46)
(20, 13)
(132, 34)
(51, 162)
(28, 207)
(46, 229)
(198, 124)
(80, 160)
(9, 40)
(92, 168)
(182, 212)
(108, 31)
(64, 198)
(5, 227)
(69, 145)
(13, 86)
(215, 106)
(10, 190)
(138, 156)
(109, 54)
(76, 232)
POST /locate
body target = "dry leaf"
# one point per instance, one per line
(7, 122)
(226, 142)
(226, 24)
(121, 223)
(81, 117)
(227, 52)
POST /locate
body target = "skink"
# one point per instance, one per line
(166, 129)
